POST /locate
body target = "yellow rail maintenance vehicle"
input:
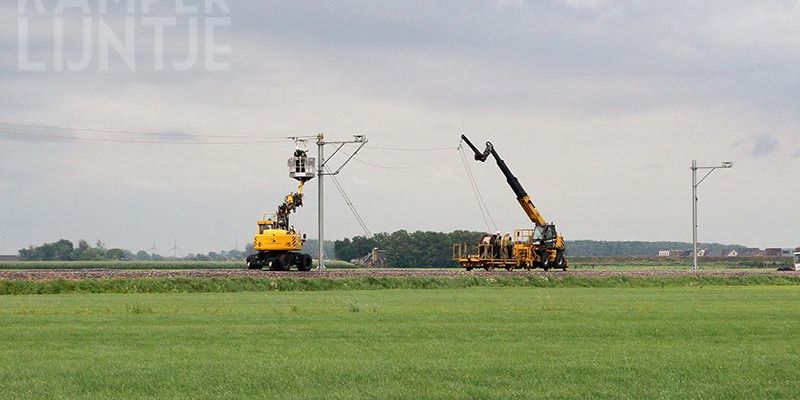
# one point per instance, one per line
(278, 244)
(539, 247)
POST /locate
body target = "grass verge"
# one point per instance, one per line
(247, 284)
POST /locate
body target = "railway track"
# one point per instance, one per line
(96, 274)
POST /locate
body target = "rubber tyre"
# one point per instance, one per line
(560, 262)
(283, 262)
(545, 262)
(253, 262)
(304, 263)
(469, 269)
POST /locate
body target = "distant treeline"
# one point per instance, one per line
(402, 249)
(66, 250)
(434, 249)
(408, 250)
(311, 247)
(596, 248)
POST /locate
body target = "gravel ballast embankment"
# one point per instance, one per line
(96, 274)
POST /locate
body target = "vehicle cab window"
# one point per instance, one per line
(550, 232)
(538, 233)
(264, 227)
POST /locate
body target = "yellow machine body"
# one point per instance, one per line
(275, 236)
(270, 239)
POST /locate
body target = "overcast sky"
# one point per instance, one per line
(598, 106)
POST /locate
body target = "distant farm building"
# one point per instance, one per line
(375, 259)
(749, 252)
(773, 252)
(9, 258)
(681, 253)
(752, 252)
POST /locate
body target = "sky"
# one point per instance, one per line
(598, 106)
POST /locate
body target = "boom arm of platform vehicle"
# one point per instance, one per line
(522, 196)
(291, 204)
(301, 168)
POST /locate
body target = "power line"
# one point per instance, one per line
(374, 165)
(130, 132)
(411, 148)
(177, 134)
(417, 165)
(485, 213)
(350, 204)
(67, 138)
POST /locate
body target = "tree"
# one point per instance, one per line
(91, 254)
(62, 250)
(359, 247)
(115, 254)
(142, 256)
(408, 250)
(249, 249)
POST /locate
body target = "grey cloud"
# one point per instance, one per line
(681, 50)
(763, 145)
(500, 55)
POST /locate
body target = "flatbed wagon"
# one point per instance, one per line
(520, 255)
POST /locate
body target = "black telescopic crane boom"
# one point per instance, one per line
(519, 191)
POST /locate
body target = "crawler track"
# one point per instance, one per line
(95, 274)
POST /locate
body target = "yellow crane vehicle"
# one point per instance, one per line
(278, 243)
(539, 247)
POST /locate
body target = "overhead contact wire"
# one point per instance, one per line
(131, 132)
(410, 148)
(487, 215)
(68, 138)
(350, 204)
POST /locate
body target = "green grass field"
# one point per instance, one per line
(512, 342)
